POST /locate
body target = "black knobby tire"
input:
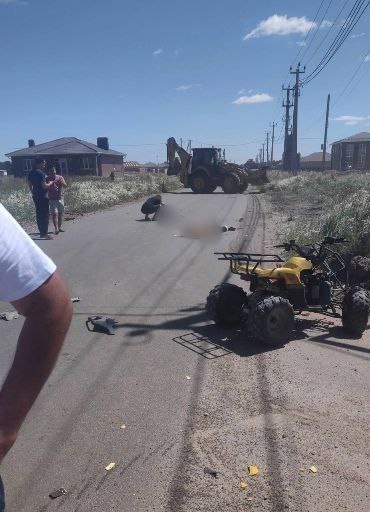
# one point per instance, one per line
(211, 187)
(199, 182)
(355, 311)
(270, 319)
(243, 187)
(231, 183)
(225, 303)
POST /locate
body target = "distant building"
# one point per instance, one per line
(313, 162)
(351, 153)
(70, 155)
(133, 166)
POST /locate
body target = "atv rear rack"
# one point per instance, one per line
(236, 258)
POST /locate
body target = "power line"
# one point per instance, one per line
(351, 79)
(351, 21)
(327, 33)
(318, 26)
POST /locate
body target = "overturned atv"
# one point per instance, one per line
(315, 280)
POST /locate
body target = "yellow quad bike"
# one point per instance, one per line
(314, 280)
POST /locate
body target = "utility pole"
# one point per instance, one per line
(272, 142)
(263, 151)
(188, 147)
(260, 155)
(287, 147)
(326, 133)
(181, 141)
(294, 153)
(267, 147)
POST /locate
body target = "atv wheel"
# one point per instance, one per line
(270, 319)
(224, 304)
(199, 182)
(231, 183)
(355, 311)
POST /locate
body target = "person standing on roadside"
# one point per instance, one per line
(39, 187)
(56, 201)
(31, 283)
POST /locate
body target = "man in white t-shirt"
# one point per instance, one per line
(29, 280)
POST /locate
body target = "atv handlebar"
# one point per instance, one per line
(328, 240)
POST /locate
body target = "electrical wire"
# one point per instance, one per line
(318, 27)
(347, 27)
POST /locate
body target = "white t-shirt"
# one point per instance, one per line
(23, 265)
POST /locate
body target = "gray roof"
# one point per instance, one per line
(358, 137)
(63, 146)
(315, 157)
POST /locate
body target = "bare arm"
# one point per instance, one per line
(45, 185)
(48, 313)
(63, 181)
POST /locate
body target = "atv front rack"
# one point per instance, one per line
(250, 261)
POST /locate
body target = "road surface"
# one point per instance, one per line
(190, 395)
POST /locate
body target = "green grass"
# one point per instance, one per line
(343, 203)
(85, 194)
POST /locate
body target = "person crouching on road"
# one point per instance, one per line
(56, 201)
(152, 206)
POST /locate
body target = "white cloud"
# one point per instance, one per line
(281, 26)
(186, 87)
(351, 120)
(367, 58)
(301, 43)
(157, 52)
(326, 24)
(7, 2)
(355, 36)
(256, 98)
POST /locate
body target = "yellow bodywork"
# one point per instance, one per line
(289, 271)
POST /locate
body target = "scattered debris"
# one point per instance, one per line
(9, 315)
(110, 466)
(123, 427)
(75, 299)
(188, 377)
(57, 494)
(210, 471)
(100, 324)
(289, 218)
(249, 498)
(243, 485)
(313, 469)
(241, 219)
(69, 218)
(253, 470)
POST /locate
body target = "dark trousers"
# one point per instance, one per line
(42, 214)
(2, 496)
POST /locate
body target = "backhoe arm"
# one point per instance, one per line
(178, 165)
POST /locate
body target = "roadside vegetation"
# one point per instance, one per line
(319, 204)
(85, 194)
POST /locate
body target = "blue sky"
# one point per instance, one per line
(142, 71)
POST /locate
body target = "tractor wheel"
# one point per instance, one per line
(243, 187)
(199, 182)
(231, 183)
(224, 304)
(211, 188)
(270, 319)
(355, 311)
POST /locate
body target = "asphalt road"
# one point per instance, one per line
(223, 403)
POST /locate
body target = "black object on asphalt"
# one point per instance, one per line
(57, 494)
(210, 471)
(100, 324)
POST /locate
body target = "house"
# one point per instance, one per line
(313, 162)
(71, 156)
(351, 153)
(132, 166)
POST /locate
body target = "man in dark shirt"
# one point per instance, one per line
(39, 188)
(152, 205)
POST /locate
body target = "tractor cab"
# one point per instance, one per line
(206, 157)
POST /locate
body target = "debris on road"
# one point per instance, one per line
(58, 493)
(123, 427)
(243, 485)
(210, 471)
(110, 466)
(75, 299)
(313, 469)
(100, 324)
(9, 315)
(188, 377)
(253, 470)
